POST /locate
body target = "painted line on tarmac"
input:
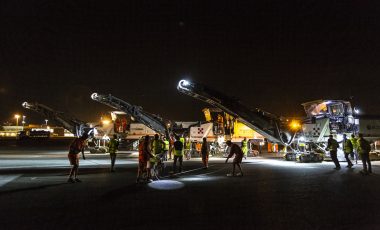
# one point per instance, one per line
(6, 179)
(184, 172)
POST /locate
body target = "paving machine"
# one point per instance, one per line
(151, 121)
(273, 128)
(74, 125)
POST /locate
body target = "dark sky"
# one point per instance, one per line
(270, 54)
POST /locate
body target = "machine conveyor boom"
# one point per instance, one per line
(150, 120)
(75, 126)
(262, 122)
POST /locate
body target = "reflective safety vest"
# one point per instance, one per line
(354, 142)
(113, 145)
(157, 147)
(178, 148)
(166, 148)
(187, 145)
(244, 147)
(348, 146)
(182, 140)
(363, 146)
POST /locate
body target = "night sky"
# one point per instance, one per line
(271, 54)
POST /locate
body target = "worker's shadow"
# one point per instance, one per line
(30, 188)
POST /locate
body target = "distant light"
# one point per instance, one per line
(356, 111)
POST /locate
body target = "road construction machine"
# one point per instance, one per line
(74, 125)
(152, 121)
(273, 128)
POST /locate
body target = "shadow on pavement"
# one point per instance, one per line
(30, 188)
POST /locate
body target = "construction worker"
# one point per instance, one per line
(148, 156)
(332, 146)
(235, 150)
(142, 160)
(171, 146)
(244, 147)
(302, 146)
(205, 149)
(113, 146)
(354, 142)
(178, 154)
(347, 148)
(157, 148)
(76, 147)
(166, 148)
(187, 149)
(364, 148)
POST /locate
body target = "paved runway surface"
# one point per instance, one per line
(273, 194)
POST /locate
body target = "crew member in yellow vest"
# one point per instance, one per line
(244, 147)
(113, 146)
(364, 147)
(157, 148)
(187, 151)
(332, 146)
(354, 142)
(166, 148)
(178, 154)
(347, 148)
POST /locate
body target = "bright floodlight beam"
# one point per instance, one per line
(94, 96)
(25, 105)
(183, 84)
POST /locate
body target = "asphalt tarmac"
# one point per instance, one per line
(272, 194)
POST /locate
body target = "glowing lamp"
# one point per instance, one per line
(295, 125)
(106, 122)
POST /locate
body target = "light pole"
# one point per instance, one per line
(23, 122)
(17, 117)
(46, 120)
